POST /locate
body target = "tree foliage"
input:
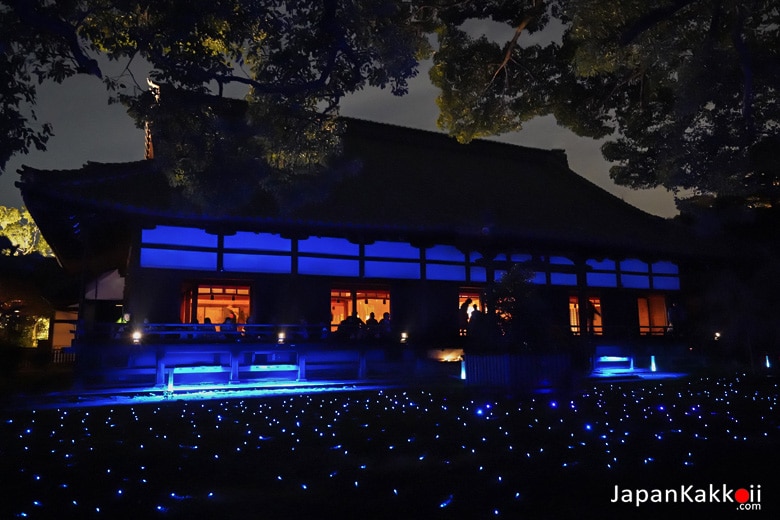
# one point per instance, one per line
(19, 235)
(521, 314)
(684, 90)
(294, 61)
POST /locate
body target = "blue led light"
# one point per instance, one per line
(415, 433)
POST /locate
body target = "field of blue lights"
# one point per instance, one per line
(395, 453)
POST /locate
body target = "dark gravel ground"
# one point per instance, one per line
(395, 453)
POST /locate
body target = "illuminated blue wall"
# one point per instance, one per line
(666, 276)
(328, 246)
(177, 259)
(169, 247)
(563, 279)
(445, 263)
(405, 270)
(392, 250)
(329, 266)
(455, 273)
(178, 236)
(258, 242)
(248, 263)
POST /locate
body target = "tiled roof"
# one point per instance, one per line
(406, 182)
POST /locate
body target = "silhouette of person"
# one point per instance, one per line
(676, 320)
(385, 326)
(229, 325)
(372, 326)
(207, 325)
(463, 316)
(352, 326)
(475, 321)
(592, 312)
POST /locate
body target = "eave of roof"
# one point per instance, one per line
(411, 183)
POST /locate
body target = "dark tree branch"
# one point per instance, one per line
(538, 6)
(338, 47)
(650, 19)
(273, 88)
(32, 17)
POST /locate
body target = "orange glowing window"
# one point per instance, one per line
(343, 302)
(653, 320)
(593, 324)
(216, 302)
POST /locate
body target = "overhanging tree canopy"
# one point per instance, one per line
(685, 90)
(296, 59)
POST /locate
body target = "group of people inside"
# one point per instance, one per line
(470, 318)
(352, 327)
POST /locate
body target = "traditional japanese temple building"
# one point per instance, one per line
(420, 226)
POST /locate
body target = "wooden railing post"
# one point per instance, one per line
(234, 356)
(160, 370)
(362, 369)
(301, 366)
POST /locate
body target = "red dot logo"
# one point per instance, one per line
(742, 495)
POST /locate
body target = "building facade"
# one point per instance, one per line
(419, 227)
